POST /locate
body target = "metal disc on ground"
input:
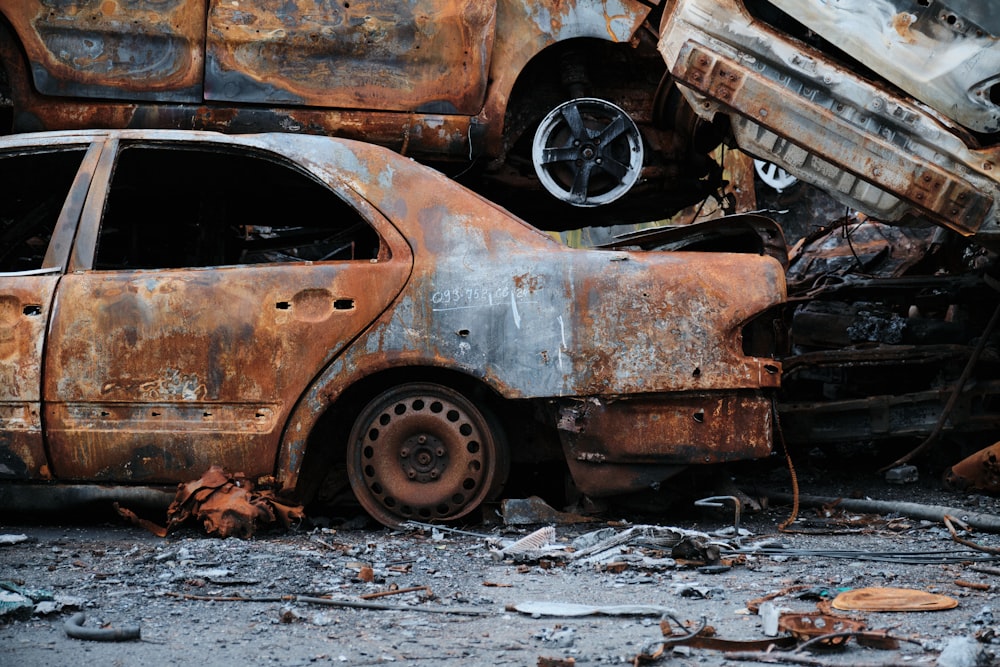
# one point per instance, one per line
(892, 599)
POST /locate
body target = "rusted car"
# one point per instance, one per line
(296, 306)
(553, 107)
(892, 107)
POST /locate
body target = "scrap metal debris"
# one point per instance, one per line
(18, 602)
(521, 511)
(227, 504)
(571, 609)
(978, 520)
(74, 628)
(331, 602)
(831, 630)
(645, 546)
(892, 599)
(978, 472)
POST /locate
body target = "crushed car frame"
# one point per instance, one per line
(301, 306)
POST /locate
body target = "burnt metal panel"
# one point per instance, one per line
(866, 144)
(427, 55)
(126, 49)
(204, 366)
(943, 52)
(945, 197)
(605, 440)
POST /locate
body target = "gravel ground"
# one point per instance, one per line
(462, 612)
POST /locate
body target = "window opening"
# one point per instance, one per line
(33, 190)
(177, 207)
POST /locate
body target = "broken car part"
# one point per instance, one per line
(836, 117)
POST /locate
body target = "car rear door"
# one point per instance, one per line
(42, 189)
(214, 287)
(428, 56)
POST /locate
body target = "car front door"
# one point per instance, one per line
(41, 192)
(218, 285)
(428, 56)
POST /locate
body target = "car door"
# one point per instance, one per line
(42, 189)
(427, 56)
(214, 286)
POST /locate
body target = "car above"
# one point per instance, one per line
(554, 108)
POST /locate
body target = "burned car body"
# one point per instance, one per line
(284, 305)
(511, 95)
(890, 106)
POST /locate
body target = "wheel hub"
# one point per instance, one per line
(424, 458)
(587, 152)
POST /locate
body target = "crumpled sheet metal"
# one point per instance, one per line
(227, 505)
(609, 545)
(978, 472)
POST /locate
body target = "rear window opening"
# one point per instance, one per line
(173, 207)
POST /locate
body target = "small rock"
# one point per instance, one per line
(963, 652)
(905, 474)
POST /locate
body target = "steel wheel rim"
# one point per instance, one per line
(587, 152)
(421, 452)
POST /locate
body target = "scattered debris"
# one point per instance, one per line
(829, 630)
(539, 541)
(949, 522)
(14, 603)
(354, 604)
(556, 662)
(399, 591)
(979, 520)
(532, 510)
(720, 501)
(74, 628)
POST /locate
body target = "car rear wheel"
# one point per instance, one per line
(424, 452)
(587, 152)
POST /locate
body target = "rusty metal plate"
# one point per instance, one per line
(128, 49)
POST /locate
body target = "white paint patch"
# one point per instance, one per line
(562, 344)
